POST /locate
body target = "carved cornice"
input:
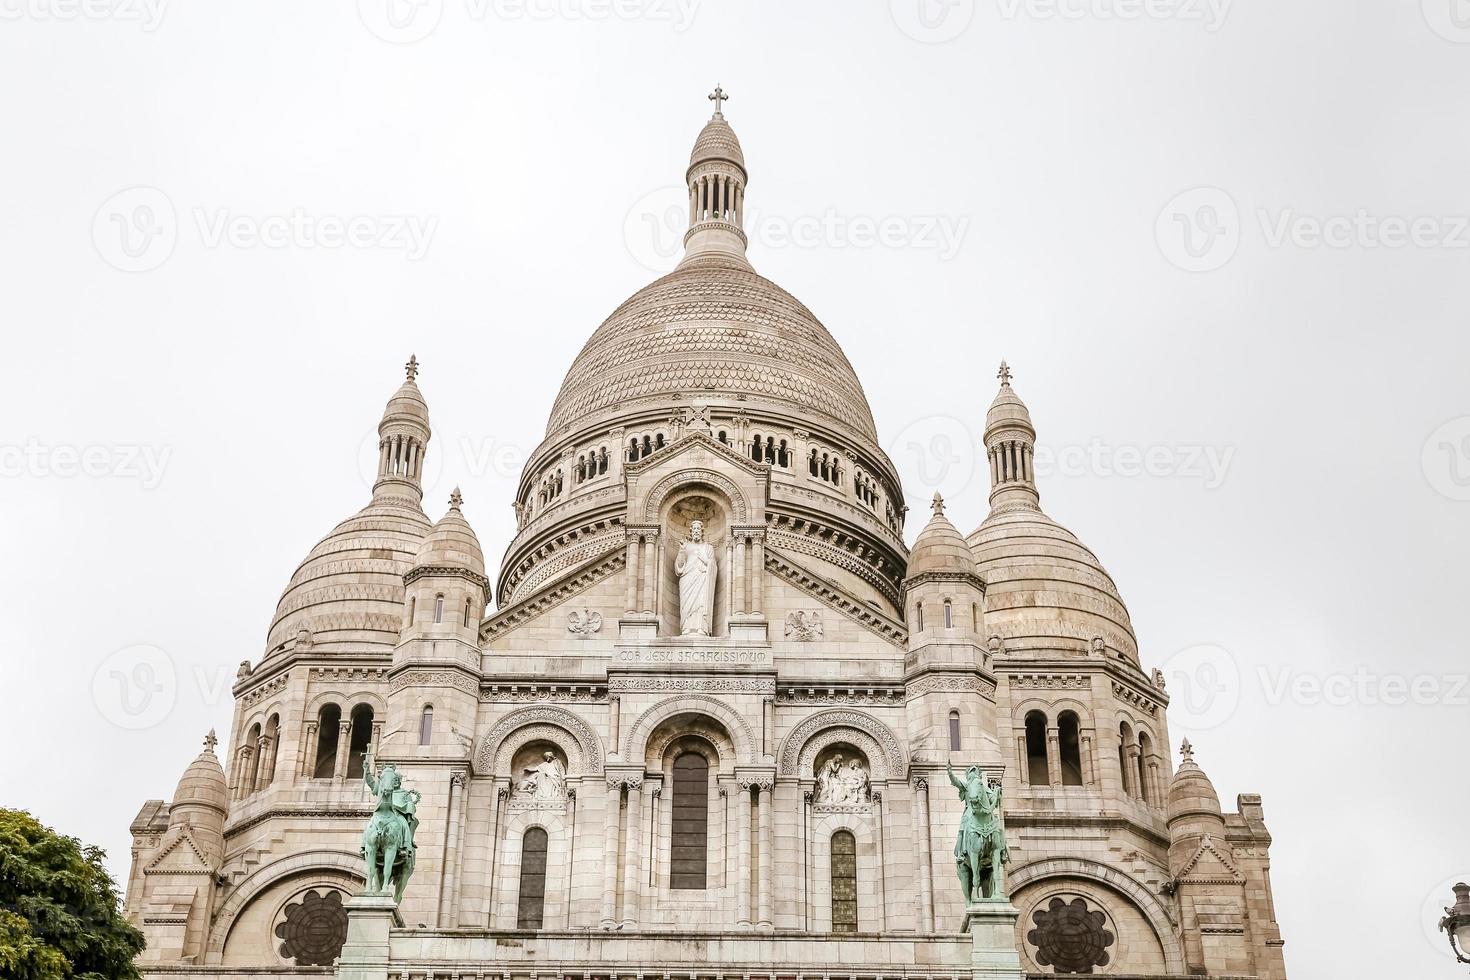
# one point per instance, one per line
(842, 601)
(1048, 682)
(555, 594)
(420, 571)
(536, 691)
(554, 555)
(1130, 695)
(336, 675)
(880, 567)
(254, 696)
(958, 683)
(966, 578)
(656, 684)
(855, 694)
(455, 677)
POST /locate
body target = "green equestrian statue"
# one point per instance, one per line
(980, 851)
(387, 843)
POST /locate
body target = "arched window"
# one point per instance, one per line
(250, 778)
(844, 882)
(327, 724)
(531, 905)
(468, 611)
(272, 750)
(438, 609)
(658, 440)
(426, 725)
(1070, 731)
(919, 616)
(633, 450)
(362, 738)
(1036, 768)
(689, 848)
(948, 615)
(811, 463)
(413, 602)
(602, 461)
(954, 731)
(724, 439)
(1125, 737)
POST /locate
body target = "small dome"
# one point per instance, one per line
(940, 547)
(349, 589)
(407, 403)
(1007, 410)
(203, 783)
(452, 542)
(717, 141)
(1190, 792)
(1042, 582)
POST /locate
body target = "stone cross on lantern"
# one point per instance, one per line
(718, 96)
(210, 741)
(412, 367)
(1004, 374)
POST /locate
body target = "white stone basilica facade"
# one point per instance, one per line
(699, 726)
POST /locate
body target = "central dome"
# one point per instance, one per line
(710, 329)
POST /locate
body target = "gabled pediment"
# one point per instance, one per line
(1210, 863)
(693, 459)
(179, 855)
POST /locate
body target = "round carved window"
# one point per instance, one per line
(312, 928)
(1069, 937)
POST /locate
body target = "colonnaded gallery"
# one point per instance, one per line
(707, 730)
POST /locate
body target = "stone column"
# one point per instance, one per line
(610, 854)
(1054, 755)
(1023, 762)
(448, 896)
(1130, 772)
(926, 874)
(650, 574)
(758, 576)
(763, 883)
(242, 772)
(614, 710)
(492, 862)
(1088, 776)
(1156, 797)
(632, 570)
(308, 755)
(737, 573)
(742, 870)
(632, 861)
(267, 767)
(344, 744)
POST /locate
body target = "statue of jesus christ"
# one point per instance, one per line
(696, 568)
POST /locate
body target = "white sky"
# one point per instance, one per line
(542, 141)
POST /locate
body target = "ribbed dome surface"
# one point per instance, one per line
(451, 543)
(1043, 583)
(717, 329)
(717, 141)
(1190, 791)
(1007, 410)
(940, 548)
(407, 401)
(203, 784)
(350, 586)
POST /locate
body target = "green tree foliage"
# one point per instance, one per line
(59, 911)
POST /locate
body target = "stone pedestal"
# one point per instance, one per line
(365, 954)
(991, 924)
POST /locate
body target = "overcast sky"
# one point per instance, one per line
(1222, 245)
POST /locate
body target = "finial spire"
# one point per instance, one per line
(937, 505)
(455, 499)
(1186, 752)
(718, 97)
(412, 367)
(1004, 374)
(210, 741)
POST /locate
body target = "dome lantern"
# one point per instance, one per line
(403, 437)
(716, 179)
(1010, 443)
